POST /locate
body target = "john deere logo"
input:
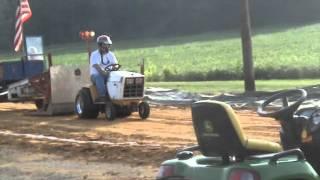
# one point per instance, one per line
(208, 129)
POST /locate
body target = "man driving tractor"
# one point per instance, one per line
(114, 93)
(99, 60)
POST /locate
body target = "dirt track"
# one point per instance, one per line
(130, 141)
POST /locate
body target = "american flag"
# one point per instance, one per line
(23, 13)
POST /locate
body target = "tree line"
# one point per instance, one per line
(60, 21)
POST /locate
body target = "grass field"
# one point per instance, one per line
(275, 49)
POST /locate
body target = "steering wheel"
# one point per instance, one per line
(286, 110)
(112, 67)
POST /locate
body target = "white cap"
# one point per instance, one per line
(104, 39)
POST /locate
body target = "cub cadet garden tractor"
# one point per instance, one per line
(125, 95)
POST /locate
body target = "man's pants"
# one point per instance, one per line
(100, 81)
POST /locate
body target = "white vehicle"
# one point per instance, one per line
(125, 95)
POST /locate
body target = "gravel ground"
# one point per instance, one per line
(20, 164)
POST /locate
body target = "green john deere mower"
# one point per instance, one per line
(227, 154)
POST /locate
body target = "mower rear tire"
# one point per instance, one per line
(84, 106)
(144, 110)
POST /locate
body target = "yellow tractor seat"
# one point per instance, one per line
(93, 91)
(219, 132)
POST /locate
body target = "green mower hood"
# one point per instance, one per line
(255, 168)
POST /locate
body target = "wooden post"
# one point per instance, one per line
(249, 79)
(49, 59)
(142, 67)
(88, 49)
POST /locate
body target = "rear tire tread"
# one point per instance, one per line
(89, 110)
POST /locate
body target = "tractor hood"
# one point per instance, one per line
(117, 76)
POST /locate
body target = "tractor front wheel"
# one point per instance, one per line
(110, 111)
(144, 110)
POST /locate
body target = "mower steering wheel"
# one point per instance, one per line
(112, 67)
(286, 110)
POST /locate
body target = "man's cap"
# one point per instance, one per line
(104, 39)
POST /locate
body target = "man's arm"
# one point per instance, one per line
(94, 63)
(99, 69)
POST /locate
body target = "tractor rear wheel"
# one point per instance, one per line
(39, 103)
(110, 111)
(144, 110)
(84, 106)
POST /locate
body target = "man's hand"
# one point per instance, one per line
(100, 70)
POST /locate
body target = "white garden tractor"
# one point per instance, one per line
(125, 92)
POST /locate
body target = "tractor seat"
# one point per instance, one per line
(219, 132)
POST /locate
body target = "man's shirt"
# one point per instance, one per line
(107, 59)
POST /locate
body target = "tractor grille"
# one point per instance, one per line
(133, 87)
